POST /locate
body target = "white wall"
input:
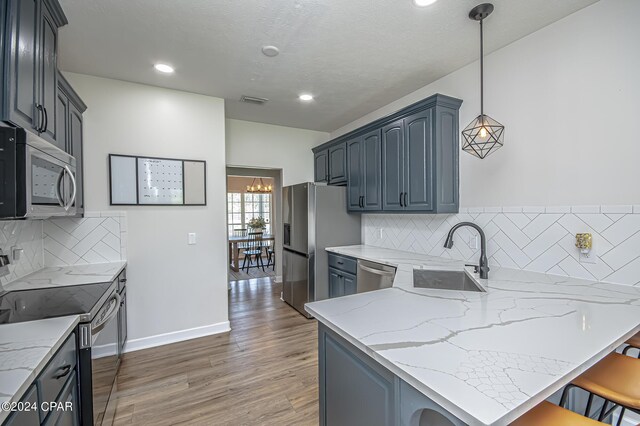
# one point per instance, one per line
(569, 96)
(171, 286)
(252, 144)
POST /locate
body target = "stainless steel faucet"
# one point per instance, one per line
(483, 266)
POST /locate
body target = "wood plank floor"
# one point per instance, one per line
(263, 372)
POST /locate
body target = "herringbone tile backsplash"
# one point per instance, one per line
(540, 239)
(99, 237)
(27, 235)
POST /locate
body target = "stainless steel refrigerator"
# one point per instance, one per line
(314, 217)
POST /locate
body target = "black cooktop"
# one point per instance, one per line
(42, 303)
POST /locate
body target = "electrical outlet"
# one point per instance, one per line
(473, 242)
(380, 233)
(192, 238)
(588, 257)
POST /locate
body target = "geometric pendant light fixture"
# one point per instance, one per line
(483, 135)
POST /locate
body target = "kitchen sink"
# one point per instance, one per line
(444, 280)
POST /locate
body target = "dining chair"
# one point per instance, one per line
(253, 248)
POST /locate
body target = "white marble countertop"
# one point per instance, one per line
(25, 349)
(485, 357)
(59, 276)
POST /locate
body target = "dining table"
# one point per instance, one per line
(235, 241)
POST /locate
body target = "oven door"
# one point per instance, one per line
(50, 184)
(104, 360)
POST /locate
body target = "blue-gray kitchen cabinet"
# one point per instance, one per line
(321, 166)
(364, 181)
(353, 390)
(338, 164)
(29, 44)
(405, 162)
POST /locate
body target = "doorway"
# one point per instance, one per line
(253, 216)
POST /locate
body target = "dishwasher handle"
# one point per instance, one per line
(376, 271)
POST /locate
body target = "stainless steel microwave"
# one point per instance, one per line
(37, 179)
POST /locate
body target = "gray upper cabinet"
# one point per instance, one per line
(364, 173)
(419, 164)
(354, 174)
(405, 162)
(48, 72)
(338, 164)
(321, 166)
(29, 93)
(393, 159)
(69, 128)
(20, 81)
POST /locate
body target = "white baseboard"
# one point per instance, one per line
(278, 278)
(176, 336)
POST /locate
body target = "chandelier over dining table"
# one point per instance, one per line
(259, 187)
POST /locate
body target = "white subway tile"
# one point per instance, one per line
(557, 209)
(628, 208)
(585, 209)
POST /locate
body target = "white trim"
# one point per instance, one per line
(278, 279)
(176, 336)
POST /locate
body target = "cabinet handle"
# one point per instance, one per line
(40, 118)
(46, 119)
(65, 371)
(401, 199)
(405, 199)
(340, 262)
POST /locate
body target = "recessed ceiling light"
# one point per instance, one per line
(270, 51)
(423, 3)
(167, 69)
(305, 97)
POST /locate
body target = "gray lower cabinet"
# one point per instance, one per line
(353, 391)
(356, 390)
(28, 416)
(54, 393)
(29, 91)
(342, 275)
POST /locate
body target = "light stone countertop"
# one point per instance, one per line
(60, 276)
(25, 350)
(485, 357)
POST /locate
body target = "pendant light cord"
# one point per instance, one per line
(481, 73)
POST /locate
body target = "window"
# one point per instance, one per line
(241, 208)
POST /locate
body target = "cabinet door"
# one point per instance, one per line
(75, 141)
(354, 175)
(419, 164)
(371, 171)
(28, 417)
(49, 74)
(338, 164)
(336, 283)
(321, 166)
(63, 139)
(21, 81)
(393, 166)
(354, 391)
(349, 284)
(67, 398)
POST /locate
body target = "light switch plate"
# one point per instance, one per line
(192, 238)
(473, 242)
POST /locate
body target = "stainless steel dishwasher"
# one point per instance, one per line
(374, 276)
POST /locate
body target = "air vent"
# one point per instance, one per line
(253, 100)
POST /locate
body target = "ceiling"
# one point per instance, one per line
(354, 56)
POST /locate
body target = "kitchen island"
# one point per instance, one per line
(478, 358)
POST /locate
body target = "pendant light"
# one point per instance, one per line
(483, 135)
(260, 188)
